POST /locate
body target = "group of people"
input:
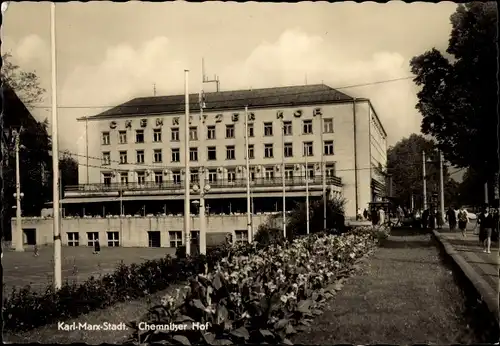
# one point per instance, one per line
(487, 220)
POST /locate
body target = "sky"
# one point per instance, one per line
(108, 53)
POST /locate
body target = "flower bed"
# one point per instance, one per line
(263, 297)
(25, 309)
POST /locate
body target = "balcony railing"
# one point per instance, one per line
(170, 185)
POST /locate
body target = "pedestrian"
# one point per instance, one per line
(439, 219)
(365, 214)
(401, 215)
(381, 216)
(432, 219)
(451, 218)
(35, 251)
(425, 219)
(463, 220)
(359, 214)
(97, 247)
(485, 221)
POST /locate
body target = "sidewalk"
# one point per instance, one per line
(482, 269)
(402, 294)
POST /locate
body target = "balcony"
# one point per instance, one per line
(173, 187)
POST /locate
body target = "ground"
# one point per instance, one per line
(78, 263)
(403, 295)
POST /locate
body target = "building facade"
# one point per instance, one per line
(132, 162)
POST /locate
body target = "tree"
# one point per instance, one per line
(458, 99)
(404, 164)
(25, 84)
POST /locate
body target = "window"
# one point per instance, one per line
(268, 151)
(73, 239)
(139, 155)
(229, 131)
(241, 236)
(212, 175)
(328, 148)
(231, 175)
(157, 135)
(174, 134)
(268, 129)
(106, 158)
(124, 178)
(139, 136)
(251, 153)
(289, 173)
(310, 171)
(250, 130)
(105, 138)
(230, 152)
(287, 128)
(211, 132)
(252, 173)
(123, 157)
(269, 173)
(307, 127)
(157, 156)
(113, 239)
(141, 177)
(176, 155)
(330, 170)
(193, 154)
(308, 149)
(175, 238)
(328, 125)
(159, 177)
(212, 153)
(193, 133)
(176, 177)
(122, 137)
(106, 178)
(288, 150)
(91, 238)
(195, 177)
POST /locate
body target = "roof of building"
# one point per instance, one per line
(228, 100)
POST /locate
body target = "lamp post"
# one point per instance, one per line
(202, 189)
(441, 181)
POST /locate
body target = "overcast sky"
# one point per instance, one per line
(108, 53)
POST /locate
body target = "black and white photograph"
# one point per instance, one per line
(219, 173)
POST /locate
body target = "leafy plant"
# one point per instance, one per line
(261, 298)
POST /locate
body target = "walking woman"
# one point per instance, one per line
(485, 221)
(463, 220)
(451, 217)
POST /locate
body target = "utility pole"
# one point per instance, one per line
(441, 184)
(55, 155)
(283, 175)
(19, 228)
(424, 181)
(247, 161)
(187, 177)
(307, 190)
(486, 197)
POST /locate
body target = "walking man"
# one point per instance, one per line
(97, 247)
(451, 218)
(463, 220)
(485, 221)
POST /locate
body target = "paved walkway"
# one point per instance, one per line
(484, 266)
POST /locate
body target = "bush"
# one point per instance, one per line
(25, 309)
(259, 298)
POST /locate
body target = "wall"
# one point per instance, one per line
(133, 230)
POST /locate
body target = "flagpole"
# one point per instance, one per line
(323, 173)
(201, 179)
(307, 190)
(249, 211)
(55, 155)
(283, 175)
(187, 197)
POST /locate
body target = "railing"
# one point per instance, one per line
(170, 185)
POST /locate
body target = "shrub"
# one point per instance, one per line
(259, 298)
(25, 309)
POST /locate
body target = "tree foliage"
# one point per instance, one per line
(26, 84)
(458, 98)
(404, 163)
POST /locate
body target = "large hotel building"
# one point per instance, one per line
(132, 157)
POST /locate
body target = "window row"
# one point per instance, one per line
(214, 175)
(175, 153)
(268, 130)
(92, 238)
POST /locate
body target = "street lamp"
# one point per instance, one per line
(441, 180)
(202, 189)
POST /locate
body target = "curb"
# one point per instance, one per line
(477, 281)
